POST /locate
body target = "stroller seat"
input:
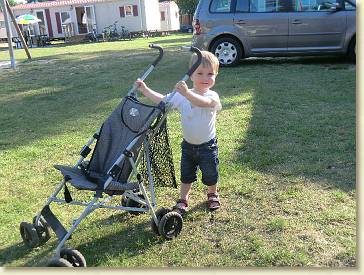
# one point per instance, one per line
(76, 177)
(128, 121)
(80, 181)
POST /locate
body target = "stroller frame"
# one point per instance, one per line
(39, 232)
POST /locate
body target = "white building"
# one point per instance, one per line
(2, 26)
(169, 13)
(82, 16)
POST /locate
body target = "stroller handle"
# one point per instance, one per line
(193, 68)
(160, 56)
(149, 69)
(197, 63)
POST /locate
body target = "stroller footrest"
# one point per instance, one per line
(117, 186)
(53, 222)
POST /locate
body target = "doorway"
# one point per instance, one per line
(41, 28)
(85, 19)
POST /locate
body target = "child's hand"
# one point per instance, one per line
(140, 85)
(182, 88)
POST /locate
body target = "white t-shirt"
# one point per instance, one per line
(198, 123)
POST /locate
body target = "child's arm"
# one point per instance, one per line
(195, 99)
(149, 93)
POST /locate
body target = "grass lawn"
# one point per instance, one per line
(287, 158)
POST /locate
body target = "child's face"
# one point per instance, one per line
(203, 78)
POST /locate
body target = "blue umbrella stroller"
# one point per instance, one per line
(124, 142)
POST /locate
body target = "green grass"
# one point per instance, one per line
(286, 146)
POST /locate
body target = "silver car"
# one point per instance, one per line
(234, 29)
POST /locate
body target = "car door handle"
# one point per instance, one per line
(296, 21)
(240, 22)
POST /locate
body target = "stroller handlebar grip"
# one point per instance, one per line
(155, 46)
(197, 63)
(149, 69)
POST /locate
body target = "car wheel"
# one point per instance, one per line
(352, 50)
(228, 51)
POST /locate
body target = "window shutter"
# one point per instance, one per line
(135, 10)
(122, 11)
(49, 22)
(58, 20)
(163, 16)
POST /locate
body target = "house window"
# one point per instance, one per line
(2, 24)
(128, 10)
(64, 16)
(163, 16)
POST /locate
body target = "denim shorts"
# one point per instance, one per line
(203, 156)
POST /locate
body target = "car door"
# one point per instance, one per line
(315, 25)
(262, 25)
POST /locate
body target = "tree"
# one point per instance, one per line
(187, 6)
(12, 3)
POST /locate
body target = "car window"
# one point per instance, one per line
(350, 5)
(242, 6)
(266, 5)
(218, 6)
(313, 5)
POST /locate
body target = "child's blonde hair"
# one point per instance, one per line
(208, 60)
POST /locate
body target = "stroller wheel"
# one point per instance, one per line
(170, 225)
(59, 262)
(29, 234)
(73, 256)
(159, 213)
(43, 230)
(131, 203)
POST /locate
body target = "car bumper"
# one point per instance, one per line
(200, 41)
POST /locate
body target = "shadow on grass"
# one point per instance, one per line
(20, 251)
(302, 120)
(47, 95)
(166, 41)
(132, 240)
(298, 110)
(303, 60)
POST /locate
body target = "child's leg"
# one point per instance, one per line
(185, 190)
(212, 189)
(213, 201)
(188, 175)
(182, 203)
(209, 163)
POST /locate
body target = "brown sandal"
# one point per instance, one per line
(213, 201)
(181, 206)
